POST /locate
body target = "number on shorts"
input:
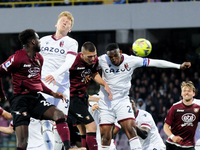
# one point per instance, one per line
(129, 109)
(45, 103)
(67, 102)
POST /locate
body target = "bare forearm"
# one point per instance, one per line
(141, 132)
(98, 79)
(167, 130)
(6, 115)
(6, 130)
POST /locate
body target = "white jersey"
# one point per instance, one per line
(119, 77)
(144, 119)
(35, 139)
(95, 115)
(54, 53)
(197, 133)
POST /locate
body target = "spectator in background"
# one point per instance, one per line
(141, 104)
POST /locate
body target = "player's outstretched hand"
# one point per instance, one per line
(110, 96)
(95, 107)
(177, 139)
(50, 79)
(185, 65)
(59, 95)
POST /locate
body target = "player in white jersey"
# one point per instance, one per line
(94, 110)
(35, 139)
(147, 130)
(117, 69)
(197, 133)
(59, 52)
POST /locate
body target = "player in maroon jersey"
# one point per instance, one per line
(82, 71)
(25, 68)
(182, 119)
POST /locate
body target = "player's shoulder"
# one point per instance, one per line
(46, 37)
(19, 54)
(69, 39)
(102, 57)
(131, 58)
(177, 103)
(144, 113)
(196, 101)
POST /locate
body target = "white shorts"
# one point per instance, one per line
(40, 147)
(197, 144)
(121, 111)
(64, 106)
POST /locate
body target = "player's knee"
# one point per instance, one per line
(23, 142)
(91, 127)
(105, 138)
(58, 114)
(47, 125)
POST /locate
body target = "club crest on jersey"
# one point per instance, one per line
(188, 119)
(126, 66)
(87, 117)
(61, 43)
(24, 114)
(196, 110)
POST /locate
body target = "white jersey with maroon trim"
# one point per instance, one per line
(54, 53)
(118, 77)
(153, 140)
(197, 133)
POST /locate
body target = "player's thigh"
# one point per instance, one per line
(78, 110)
(20, 109)
(106, 115)
(123, 110)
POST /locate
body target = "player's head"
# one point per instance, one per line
(134, 106)
(114, 53)
(65, 22)
(29, 38)
(88, 52)
(187, 90)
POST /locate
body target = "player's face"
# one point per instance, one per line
(187, 93)
(37, 43)
(115, 56)
(88, 57)
(64, 25)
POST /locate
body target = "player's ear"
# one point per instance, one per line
(70, 30)
(120, 52)
(33, 42)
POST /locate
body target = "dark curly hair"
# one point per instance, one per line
(26, 35)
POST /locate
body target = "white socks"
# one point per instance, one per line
(58, 142)
(135, 143)
(47, 133)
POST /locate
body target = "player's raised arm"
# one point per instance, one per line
(167, 64)
(185, 65)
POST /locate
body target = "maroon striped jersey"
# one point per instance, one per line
(25, 72)
(79, 71)
(183, 121)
